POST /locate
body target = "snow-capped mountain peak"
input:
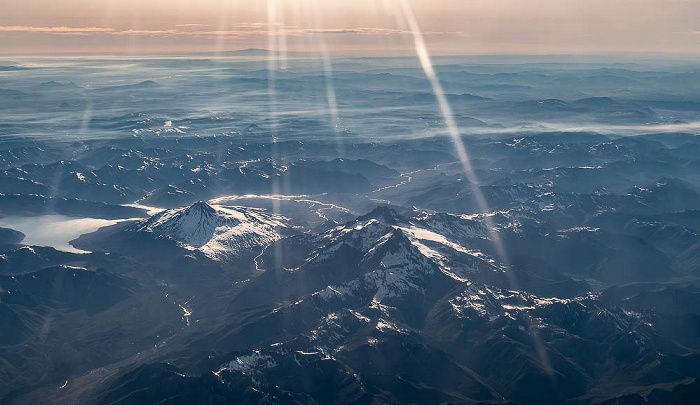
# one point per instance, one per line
(218, 232)
(194, 225)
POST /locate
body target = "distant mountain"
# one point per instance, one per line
(12, 68)
(601, 109)
(143, 85)
(54, 85)
(250, 52)
(259, 52)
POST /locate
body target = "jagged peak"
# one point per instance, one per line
(383, 214)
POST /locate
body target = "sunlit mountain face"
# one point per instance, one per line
(305, 202)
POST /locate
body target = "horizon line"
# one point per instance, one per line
(359, 54)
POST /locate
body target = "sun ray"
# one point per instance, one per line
(454, 132)
(272, 66)
(328, 76)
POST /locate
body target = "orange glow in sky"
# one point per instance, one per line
(351, 26)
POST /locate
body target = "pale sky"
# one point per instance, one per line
(350, 26)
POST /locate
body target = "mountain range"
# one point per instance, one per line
(206, 229)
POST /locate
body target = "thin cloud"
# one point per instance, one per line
(255, 25)
(373, 31)
(148, 33)
(360, 31)
(56, 30)
(192, 25)
(240, 31)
